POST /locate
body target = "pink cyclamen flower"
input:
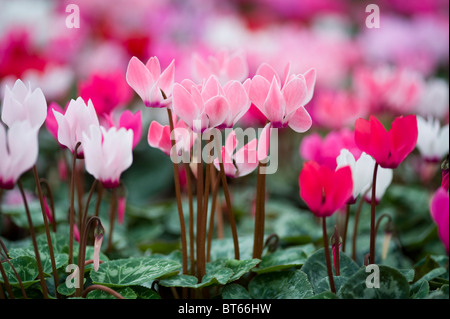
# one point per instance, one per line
(50, 122)
(325, 150)
(128, 120)
(97, 246)
(152, 85)
(107, 92)
(224, 65)
(47, 210)
(23, 104)
(159, 136)
(388, 148)
(76, 120)
(323, 189)
(18, 151)
(209, 105)
(282, 102)
(439, 209)
(76, 233)
(238, 161)
(108, 153)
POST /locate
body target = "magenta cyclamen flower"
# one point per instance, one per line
(210, 105)
(439, 209)
(108, 153)
(283, 101)
(18, 152)
(23, 104)
(77, 119)
(152, 85)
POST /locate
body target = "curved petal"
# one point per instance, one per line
(139, 78)
(274, 105)
(372, 138)
(300, 121)
(294, 93)
(216, 109)
(402, 140)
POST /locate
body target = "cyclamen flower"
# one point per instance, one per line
(439, 209)
(159, 136)
(388, 148)
(128, 120)
(77, 120)
(18, 152)
(108, 153)
(225, 66)
(149, 82)
(23, 104)
(107, 92)
(362, 171)
(433, 140)
(282, 102)
(240, 161)
(323, 189)
(209, 105)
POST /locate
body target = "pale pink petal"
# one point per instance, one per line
(294, 93)
(237, 67)
(300, 120)
(154, 67)
(259, 88)
(216, 109)
(268, 72)
(264, 142)
(183, 104)
(310, 78)
(139, 78)
(275, 105)
(167, 78)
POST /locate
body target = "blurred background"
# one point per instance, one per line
(402, 67)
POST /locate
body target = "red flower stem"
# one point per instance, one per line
(112, 218)
(191, 218)
(347, 217)
(6, 283)
(215, 182)
(200, 263)
(327, 254)
(103, 288)
(355, 227)
(176, 178)
(52, 203)
(47, 229)
(35, 246)
(72, 200)
(372, 216)
(337, 253)
(230, 211)
(258, 242)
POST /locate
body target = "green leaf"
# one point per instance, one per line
(316, 267)
(408, 273)
(281, 285)
(133, 271)
(224, 248)
(235, 291)
(441, 293)
(421, 290)
(126, 292)
(145, 293)
(179, 280)
(393, 285)
(238, 267)
(430, 276)
(25, 267)
(281, 259)
(60, 259)
(325, 295)
(64, 290)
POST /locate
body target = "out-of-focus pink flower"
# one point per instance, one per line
(121, 207)
(19, 151)
(48, 213)
(159, 136)
(76, 233)
(107, 91)
(439, 209)
(323, 189)
(149, 82)
(433, 140)
(128, 120)
(334, 110)
(224, 65)
(76, 120)
(395, 89)
(97, 246)
(388, 148)
(108, 153)
(23, 104)
(282, 102)
(50, 122)
(240, 161)
(325, 151)
(62, 169)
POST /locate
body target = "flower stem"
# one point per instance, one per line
(112, 218)
(372, 216)
(230, 211)
(72, 200)
(200, 262)
(215, 182)
(191, 217)
(355, 226)
(347, 217)
(258, 242)
(6, 282)
(176, 178)
(47, 229)
(103, 288)
(52, 202)
(24, 294)
(327, 254)
(35, 246)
